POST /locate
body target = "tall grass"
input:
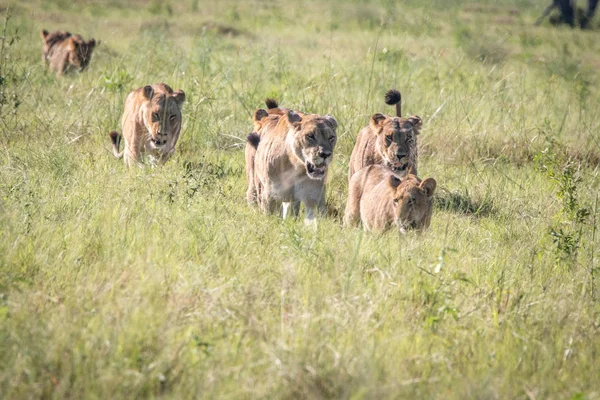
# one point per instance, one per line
(152, 282)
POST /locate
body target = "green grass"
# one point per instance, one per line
(161, 282)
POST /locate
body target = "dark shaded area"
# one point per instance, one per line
(462, 203)
(569, 14)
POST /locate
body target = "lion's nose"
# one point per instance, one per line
(324, 154)
(401, 155)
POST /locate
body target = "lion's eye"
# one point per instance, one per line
(172, 118)
(411, 201)
(331, 138)
(388, 140)
(396, 202)
(311, 136)
(155, 117)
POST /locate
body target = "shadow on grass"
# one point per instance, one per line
(462, 203)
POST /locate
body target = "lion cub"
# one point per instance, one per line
(380, 199)
(389, 141)
(287, 157)
(151, 124)
(64, 51)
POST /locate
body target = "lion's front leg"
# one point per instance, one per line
(310, 219)
(291, 208)
(312, 194)
(268, 204)
(352, 212)
(315, 206)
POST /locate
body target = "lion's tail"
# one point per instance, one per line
(270, 103)
(392, 97)
(115, 139)
(253, 139)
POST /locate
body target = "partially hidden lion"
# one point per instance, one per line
(64, 52)
(389, 141)
(287, 157)
(380, 199)
(150, 124)
(253, 139)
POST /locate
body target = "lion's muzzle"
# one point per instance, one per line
(316, 171)
(316, 168)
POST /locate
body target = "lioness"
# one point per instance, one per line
(64, 51)
(151, 124)
(253, 139)
(390, 141)
(289, 163)
(379, 199)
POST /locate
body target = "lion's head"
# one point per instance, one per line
(396, 140)
(412, 201)
(162, 115)
(80, 51)
(312, 139)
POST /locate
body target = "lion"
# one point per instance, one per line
(150, 125)
(380, 199)
(390, 141)
(273, 109)
(287, 159)
(64, 52)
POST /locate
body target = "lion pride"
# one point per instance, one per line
(63, 51)
(150, 124)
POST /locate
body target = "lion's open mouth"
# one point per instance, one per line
(399, 167)
(406, 226)
(158, 142)
(315, 171)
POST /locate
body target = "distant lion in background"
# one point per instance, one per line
(64, 52)
(150, 125)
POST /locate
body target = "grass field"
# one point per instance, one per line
(161, 282)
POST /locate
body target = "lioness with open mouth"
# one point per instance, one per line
(287, 159)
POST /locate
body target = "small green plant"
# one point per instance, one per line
(116, 81)
(567, 230)
(9, 99)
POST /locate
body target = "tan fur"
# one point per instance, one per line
(259, 119)
(379, 199)
(389, 141)
(63, 51)
(289, 165)
(150, 125)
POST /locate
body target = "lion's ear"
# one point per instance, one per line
(376, 120)
(44, 34)
(260, 114)
(416, 122)
(179, 96)
(429, 186)
(331, 121)
(148, 92)
(92, 43)
(394, 181)
(293, 119)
